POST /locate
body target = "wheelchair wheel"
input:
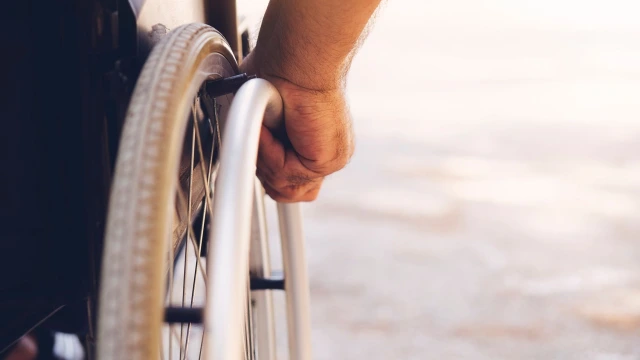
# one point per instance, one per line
(161, 203)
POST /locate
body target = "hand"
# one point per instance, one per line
(317, 139)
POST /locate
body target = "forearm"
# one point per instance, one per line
(311, 42)
(305, 48)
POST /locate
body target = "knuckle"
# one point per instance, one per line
(331, 158)
(311, 196)
(291, 191)
(275, 195)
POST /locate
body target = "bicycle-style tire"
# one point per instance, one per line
(138, 232)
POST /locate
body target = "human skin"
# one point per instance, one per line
(305, 49)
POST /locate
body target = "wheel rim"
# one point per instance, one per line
(187, 272)
(166, 205)
(187, 277)
(196, 187)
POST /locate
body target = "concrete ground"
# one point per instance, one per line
(492, 208)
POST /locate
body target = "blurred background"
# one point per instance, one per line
(491, 210)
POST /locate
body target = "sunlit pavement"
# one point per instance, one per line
(491, 210)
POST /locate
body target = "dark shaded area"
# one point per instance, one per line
(68, 71)
(59, 88)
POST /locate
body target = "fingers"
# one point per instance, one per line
(283, 176)
(320, 129)
(282, 190)
(271, 152)
(292, 194)
(318, 141)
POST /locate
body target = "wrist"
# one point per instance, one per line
(272, 64)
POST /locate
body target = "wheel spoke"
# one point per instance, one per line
(143, 210)
(201, 343)
(175, 336)
(208, 171)
(191, 237)
(189, 198)
(202, 227)
(186, 201)
(204, 177)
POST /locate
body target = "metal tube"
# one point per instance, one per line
(223, 16)
(260, 265)
(227, 261)
(296, 281)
